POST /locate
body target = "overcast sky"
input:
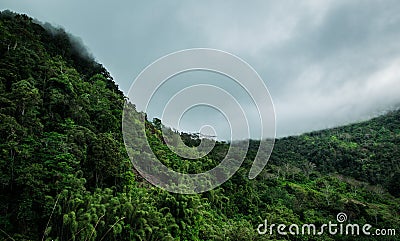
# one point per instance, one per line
(326, 63)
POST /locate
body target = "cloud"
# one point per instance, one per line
(325, 63)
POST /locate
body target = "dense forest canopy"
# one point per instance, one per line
(65, 173)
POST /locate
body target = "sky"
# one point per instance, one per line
(325, 63)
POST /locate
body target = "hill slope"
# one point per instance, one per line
(368, 151)
(65, 174)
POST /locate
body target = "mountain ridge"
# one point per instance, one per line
(65, 173)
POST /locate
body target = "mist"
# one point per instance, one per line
(325, 63)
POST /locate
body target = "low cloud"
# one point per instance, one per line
(325, 63)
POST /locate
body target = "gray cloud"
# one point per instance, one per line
(325, 63)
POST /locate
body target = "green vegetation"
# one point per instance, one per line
(65, 173)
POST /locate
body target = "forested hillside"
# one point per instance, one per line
(65, 173)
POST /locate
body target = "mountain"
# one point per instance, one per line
(66, 175)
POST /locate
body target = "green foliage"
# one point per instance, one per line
(65, 173)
